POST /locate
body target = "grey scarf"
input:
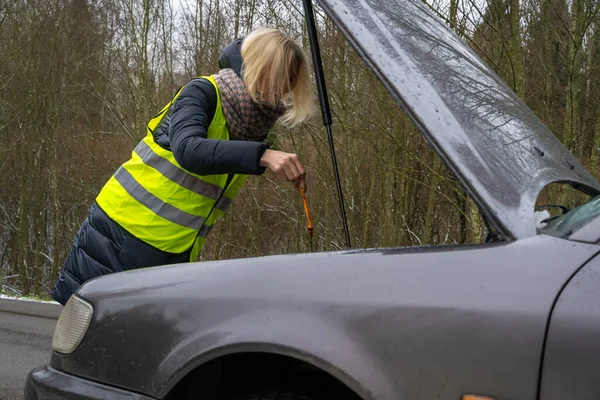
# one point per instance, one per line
(246, 119)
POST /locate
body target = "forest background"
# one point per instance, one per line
(79, 79)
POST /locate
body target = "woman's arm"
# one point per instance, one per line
(191, 115)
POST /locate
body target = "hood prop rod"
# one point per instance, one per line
(324, 101)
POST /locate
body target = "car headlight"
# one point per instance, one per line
(72, 325)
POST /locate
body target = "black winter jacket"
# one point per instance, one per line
(102, 247)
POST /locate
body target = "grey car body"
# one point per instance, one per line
(516, 318)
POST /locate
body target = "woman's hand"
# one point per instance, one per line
(284, 164)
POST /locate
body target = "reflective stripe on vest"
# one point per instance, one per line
(155, 204)
(182, 178)
(205, 230)
(159, 202)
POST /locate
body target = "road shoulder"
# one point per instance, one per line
(30, 307)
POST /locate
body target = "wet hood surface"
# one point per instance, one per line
(502, 153)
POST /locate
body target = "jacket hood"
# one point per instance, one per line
(492, 142)
(231, 56)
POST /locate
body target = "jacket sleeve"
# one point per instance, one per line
(191, 115)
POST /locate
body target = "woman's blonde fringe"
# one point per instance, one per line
(276, 69)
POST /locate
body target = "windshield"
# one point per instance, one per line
(562, 226)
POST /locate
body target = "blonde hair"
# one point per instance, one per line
(276, 70)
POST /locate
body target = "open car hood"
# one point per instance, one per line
(502, 153)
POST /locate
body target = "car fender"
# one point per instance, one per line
(283, 332)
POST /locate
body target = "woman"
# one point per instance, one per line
(159, 206)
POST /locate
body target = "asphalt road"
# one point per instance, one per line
(25, 343)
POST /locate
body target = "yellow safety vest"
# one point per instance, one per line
(160, 203)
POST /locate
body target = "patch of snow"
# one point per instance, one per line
(3, 296)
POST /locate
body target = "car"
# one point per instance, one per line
(516, 317)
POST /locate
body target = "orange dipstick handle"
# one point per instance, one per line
(306, 211)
